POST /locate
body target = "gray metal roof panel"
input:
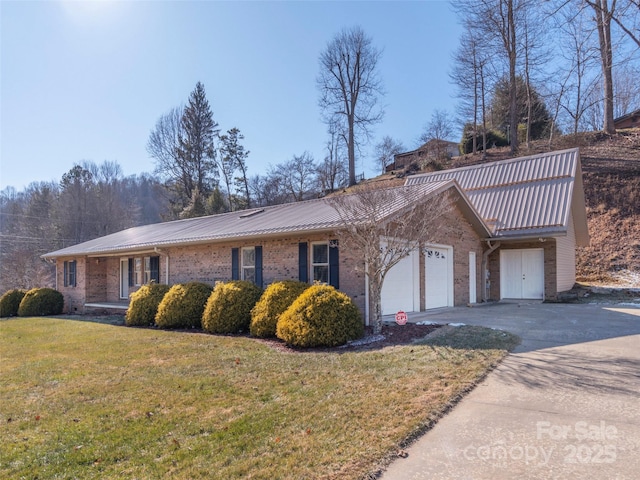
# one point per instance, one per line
(520, 194)
(308, 216)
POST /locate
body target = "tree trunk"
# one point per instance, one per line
(603, 17)
(484, 114)
(351, 149)
(375, 315)
(513, 99)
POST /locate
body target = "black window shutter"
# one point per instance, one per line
(131, 272)
(258, 250)
(66, 274)
(303, 262)
(72, 273)
(235, 269)
(154, 264)
(334, 264)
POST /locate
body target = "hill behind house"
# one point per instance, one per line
(611, 173)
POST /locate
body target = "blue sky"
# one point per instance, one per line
(88, 80)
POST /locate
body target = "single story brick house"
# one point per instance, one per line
(511, 234)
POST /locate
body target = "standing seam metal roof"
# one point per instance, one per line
(308, 216)
(518, 196)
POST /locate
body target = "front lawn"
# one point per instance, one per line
(90, 400)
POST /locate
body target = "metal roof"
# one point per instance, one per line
(528, 196)
(518, 198)
(309, 216)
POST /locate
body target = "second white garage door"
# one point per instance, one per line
(438, 276)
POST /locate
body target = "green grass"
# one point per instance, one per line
(90, 400)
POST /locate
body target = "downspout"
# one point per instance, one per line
(166, 264)
(484, 268)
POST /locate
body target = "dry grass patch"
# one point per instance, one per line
(88, 400)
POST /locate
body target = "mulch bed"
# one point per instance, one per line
(393, 335)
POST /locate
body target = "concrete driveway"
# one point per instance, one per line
(564, 405)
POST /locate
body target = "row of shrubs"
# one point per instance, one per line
(29, 303)
(299, 314)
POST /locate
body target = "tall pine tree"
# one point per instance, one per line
(196, 168)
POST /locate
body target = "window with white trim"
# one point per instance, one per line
(248, 264)
(70, 273)
(320, 262)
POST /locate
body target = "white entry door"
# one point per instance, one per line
(522, 274)
(438, 277)
(401, 287)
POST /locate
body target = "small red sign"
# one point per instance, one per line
(401, 318)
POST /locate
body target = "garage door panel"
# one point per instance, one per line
(438, 277)
(400, 287)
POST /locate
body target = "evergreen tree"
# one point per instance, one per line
(196, 151)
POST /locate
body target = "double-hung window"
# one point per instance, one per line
(249, 264)
(70, 273)
(320, 262)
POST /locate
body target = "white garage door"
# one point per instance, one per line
(522, 274)
(401, 287)
(438, 276)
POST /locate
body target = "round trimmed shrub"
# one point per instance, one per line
(182, 305)
(41, 301)
(229, 307)
(144, 304)
(274, 301)
(320, 317)
(10, 302)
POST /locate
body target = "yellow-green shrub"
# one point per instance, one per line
(41, 301)
(274, 301)
(229, 307)
(182, 305)
(10, 302)
(321, 316)
(143, 306)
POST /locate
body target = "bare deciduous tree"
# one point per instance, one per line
(438, 131)
(332, 173)
(626, 15)
(385, 226)
(500, 24)
(386, 150)
(349, 89)
(164, 143)
(469, 73)
(299, 176)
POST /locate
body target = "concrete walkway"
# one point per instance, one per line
(564, 405)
